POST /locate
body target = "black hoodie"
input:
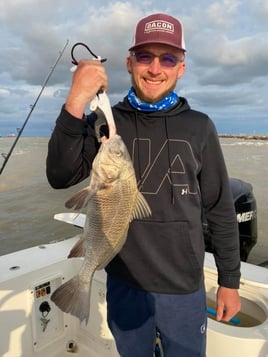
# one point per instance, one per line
(181, 172)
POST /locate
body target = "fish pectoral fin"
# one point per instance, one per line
(79, 249)
(80, 199)
(141, 209)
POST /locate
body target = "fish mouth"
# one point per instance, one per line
(106, 140)
(112, 134)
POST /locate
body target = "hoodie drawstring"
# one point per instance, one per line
(169, 164)
(140, 179)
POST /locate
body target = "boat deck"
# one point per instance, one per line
(28, 277)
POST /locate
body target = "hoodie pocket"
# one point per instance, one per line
(164, 256)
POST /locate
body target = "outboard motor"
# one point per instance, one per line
(246, 212)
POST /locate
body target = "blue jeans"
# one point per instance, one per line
(135, 315)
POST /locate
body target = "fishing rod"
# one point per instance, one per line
(7, 156)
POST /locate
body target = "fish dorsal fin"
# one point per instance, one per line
(142, 208)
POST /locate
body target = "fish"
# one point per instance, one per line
(112, 201)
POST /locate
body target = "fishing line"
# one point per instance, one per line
(7, 156)
(75, 62)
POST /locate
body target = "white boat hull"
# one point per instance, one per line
(27, 278)
(22, 292)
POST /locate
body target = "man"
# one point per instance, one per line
(156, 282)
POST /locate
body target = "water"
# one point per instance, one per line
(28, 203)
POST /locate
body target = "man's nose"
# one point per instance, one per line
(155, 66)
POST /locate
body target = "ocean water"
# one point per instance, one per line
(28, 203)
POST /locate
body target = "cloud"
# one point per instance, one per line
(227, 52)
(4, 93)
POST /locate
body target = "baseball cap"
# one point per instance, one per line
(159, 28)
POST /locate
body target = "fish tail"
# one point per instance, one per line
(73, 297)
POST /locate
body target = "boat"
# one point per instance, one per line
(33, 326)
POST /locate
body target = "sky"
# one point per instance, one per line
(226, 61)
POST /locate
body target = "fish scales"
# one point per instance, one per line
(105, 226)
(113, 200)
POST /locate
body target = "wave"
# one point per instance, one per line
(246, 143)
(246, 137)
(244, 140)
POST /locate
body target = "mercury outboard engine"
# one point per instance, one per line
(246, 212)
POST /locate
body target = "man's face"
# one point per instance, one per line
(153, 81)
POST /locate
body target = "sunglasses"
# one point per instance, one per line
(166, 59)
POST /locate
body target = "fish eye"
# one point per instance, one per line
(118, 153)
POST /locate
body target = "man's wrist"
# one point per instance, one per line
(75, 109)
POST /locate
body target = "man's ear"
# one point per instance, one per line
(181, 70)
(129, 64)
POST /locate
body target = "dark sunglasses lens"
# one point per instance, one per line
(145, 58)
(168, 60)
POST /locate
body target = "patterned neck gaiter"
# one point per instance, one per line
(165, 103)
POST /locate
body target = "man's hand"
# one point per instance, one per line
(88, 78)
(228, 303)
